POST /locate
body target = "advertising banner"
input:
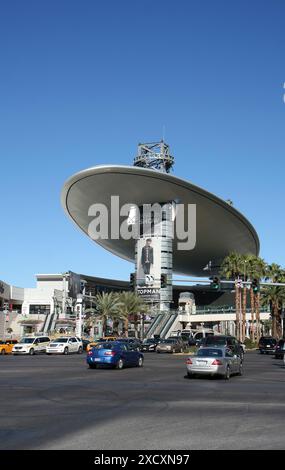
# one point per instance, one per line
(149, 268)
(74, 285)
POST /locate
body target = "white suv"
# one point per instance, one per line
(31, 345)
(65, 345)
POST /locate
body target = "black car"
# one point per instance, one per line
(267, 344)
(280, 349)
(227, 341)
(149, 344)
(134, 343)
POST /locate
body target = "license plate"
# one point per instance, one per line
(268, 346)
(201, 363)
(97, 359)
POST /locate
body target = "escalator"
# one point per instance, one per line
(160, 327)
(46, 323)
(169, 325)
(151, 330)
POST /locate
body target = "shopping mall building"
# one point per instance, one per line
(160, 246)
(49, 306)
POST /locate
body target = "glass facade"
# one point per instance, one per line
(39, 309)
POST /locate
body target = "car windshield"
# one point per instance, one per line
(60, 340)
(210, 352)
(149, 341)
(185, 336)
(27, 340)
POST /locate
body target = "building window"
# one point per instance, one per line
(39, 309)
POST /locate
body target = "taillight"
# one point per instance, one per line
(109, 353)
(89, 353)
(188, 361)
(217, 362)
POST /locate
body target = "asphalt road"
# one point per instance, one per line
(55, 402)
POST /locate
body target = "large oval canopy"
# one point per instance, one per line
(220, 229)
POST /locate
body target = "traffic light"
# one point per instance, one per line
(255, 286)
(215, 283)
(132, 280)
(163, 281)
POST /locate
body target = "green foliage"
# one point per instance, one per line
(249, 344)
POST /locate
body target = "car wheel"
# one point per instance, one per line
(227, 374)
(65, 352)
(92, 366)
(190, 375)
(31, 352)
(120, 364)
(140, 362)
(3, 352)
(240, 372)
(80, 350)
(261, 352)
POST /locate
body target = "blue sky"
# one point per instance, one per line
(82, 82)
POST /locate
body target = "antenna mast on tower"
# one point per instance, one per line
(155, 156)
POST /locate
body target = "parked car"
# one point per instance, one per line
(214, 361)
(267, 344)
(198, 337)
(65, 345)
(134, 343)
(280, 349)
(31, 345)
(225, 341)
(100, 340)
(117, 354)
(6, 347)
(150, 344)
(170, 345)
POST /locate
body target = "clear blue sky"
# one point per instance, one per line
(82, 82)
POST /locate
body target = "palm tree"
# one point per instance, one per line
(232, 268)
(275, 297)
(274, 272)
(256, 269)
(106, 307)
(129, 303)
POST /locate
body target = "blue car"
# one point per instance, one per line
(115, 354)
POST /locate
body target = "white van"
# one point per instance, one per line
(31, 345)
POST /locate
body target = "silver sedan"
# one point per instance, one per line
(214, 361)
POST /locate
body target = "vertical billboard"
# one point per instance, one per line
(149, 268)
(74, 285)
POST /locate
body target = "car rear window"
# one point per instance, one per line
(215, 340)
(205, 352)
(268, 341)
(105, 346)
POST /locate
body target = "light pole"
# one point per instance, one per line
(78, 309)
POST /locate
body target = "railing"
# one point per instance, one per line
(224, 310)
